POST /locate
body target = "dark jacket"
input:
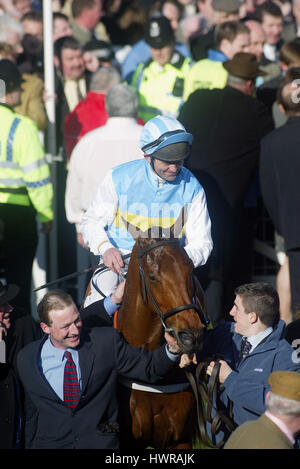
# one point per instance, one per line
(22, 331)
(279, 175)
(103, 354)
(247, 384)
(95, 315)
(201, 44)
(227, 126)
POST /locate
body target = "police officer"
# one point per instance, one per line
(159, 81)
(25, 187)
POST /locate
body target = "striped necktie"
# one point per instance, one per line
(71, 385)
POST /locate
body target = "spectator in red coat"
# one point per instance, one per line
(90, 113)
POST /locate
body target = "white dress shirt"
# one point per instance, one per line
(117, 142)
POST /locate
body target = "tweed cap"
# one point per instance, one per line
(285, 384)
(244, 65)
(226, 5)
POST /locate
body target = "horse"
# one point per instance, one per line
(161, 294)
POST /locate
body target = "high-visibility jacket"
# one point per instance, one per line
(207, 74)
(160, 88)
(24, 172)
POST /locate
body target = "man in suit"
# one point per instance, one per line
(71, 87)
(270, 16)
(279, 170)
(84, 416)
(227, 125)
(277, 426)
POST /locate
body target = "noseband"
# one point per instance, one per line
(146, 292)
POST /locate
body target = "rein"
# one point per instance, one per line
(146, 292)
(205, 394)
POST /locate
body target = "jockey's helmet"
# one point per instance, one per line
(165, 138)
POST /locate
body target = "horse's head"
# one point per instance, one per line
(169, 289)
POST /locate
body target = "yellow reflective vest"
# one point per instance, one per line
(160, 88)
(24, 171)
(207, 74)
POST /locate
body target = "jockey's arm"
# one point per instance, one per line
(99, 215)
(198, 231)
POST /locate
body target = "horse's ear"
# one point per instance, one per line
(179, 223)
(134, 231)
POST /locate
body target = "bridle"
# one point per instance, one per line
(146, 292)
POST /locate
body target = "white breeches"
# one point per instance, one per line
(106, 281)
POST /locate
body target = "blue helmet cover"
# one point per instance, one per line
(161, 131)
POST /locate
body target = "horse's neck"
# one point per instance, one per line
(138, 324)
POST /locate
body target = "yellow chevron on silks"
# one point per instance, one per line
(133, 222)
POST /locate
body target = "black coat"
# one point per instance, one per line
(95, 315)
(279, 175)
(201, 44)
(227, 126)
(22, 331)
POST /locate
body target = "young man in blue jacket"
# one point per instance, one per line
(252, 347)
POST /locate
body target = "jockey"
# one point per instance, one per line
(155, 196)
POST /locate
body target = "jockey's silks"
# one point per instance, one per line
(148, 202)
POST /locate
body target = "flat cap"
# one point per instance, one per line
(244, 65)
(226, 5)
(285, 384)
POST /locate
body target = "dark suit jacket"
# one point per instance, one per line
(103, 354)
(95, 315)
(62, 107)
(279, 175)
(23, 330)
(227, 126)
(201, 44)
